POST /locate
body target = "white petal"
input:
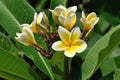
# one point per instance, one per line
(28, 32)
(26, 37)
(45, 18)
(83, 14)
(79, 46)
(75, 34)
(70, 52)
(58, 10)
(91, 15)
(94, 20)
(64, 35)
(59, 46)
(62, 20)
(35, 17)
(72, 9)
(61, 7)
(18, 34)
(24, 25)
(39, 18)
(22, 38)
(83, 20)
(70, 21)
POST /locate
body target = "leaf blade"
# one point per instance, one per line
(99, 52)
(7, 61)
(13, 26)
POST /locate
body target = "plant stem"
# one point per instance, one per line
(42, 51)
(66, 69)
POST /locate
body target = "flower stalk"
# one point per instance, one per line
(66, 69)
(40, 49)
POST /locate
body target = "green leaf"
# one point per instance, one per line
(104, 67)
(8, 21)
(11, 15)
(14, 12)
(21, 10)
(104, 23)
(14, 68)
(108, 77)
(117, 61)
(117, 75)
(100, 52)
(42, 63)
(106, 20)
(58, 65)
(113, 20)
(7, 44)
(94, 37)
(55, 3)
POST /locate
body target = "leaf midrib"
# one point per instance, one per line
(13, 74)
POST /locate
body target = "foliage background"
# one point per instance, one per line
(106, 65)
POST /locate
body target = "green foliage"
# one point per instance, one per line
(117, 74)
(104, 67)
(4, 41)
(38, 59)
(10, 22)
(100, 52)
(55, 3)
(83, 66)
(20, 10)
(13, 67)
(58, 65)
(41, 5)
(117, 62)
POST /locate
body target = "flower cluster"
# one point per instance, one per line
(72, 40)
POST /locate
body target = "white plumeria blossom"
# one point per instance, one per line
(57, 11)
(70, 42)
(67, 20)
(90, 21)
(38, 18)
(36, 25)
(26, 37)
(66, 16)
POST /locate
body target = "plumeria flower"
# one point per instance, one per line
(90, 21)
(45, 18)
(36, 25)
(66, 16)
(57, 11)
(67, 20)
(26, 37)
(70, 42)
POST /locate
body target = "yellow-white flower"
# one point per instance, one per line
(67, 20)
(70, 42)
(90, 21)
(36, 25)
(57, 11)
(45, 18)
(66, 16)
(26, 37)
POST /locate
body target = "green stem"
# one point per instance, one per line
(66, 69)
